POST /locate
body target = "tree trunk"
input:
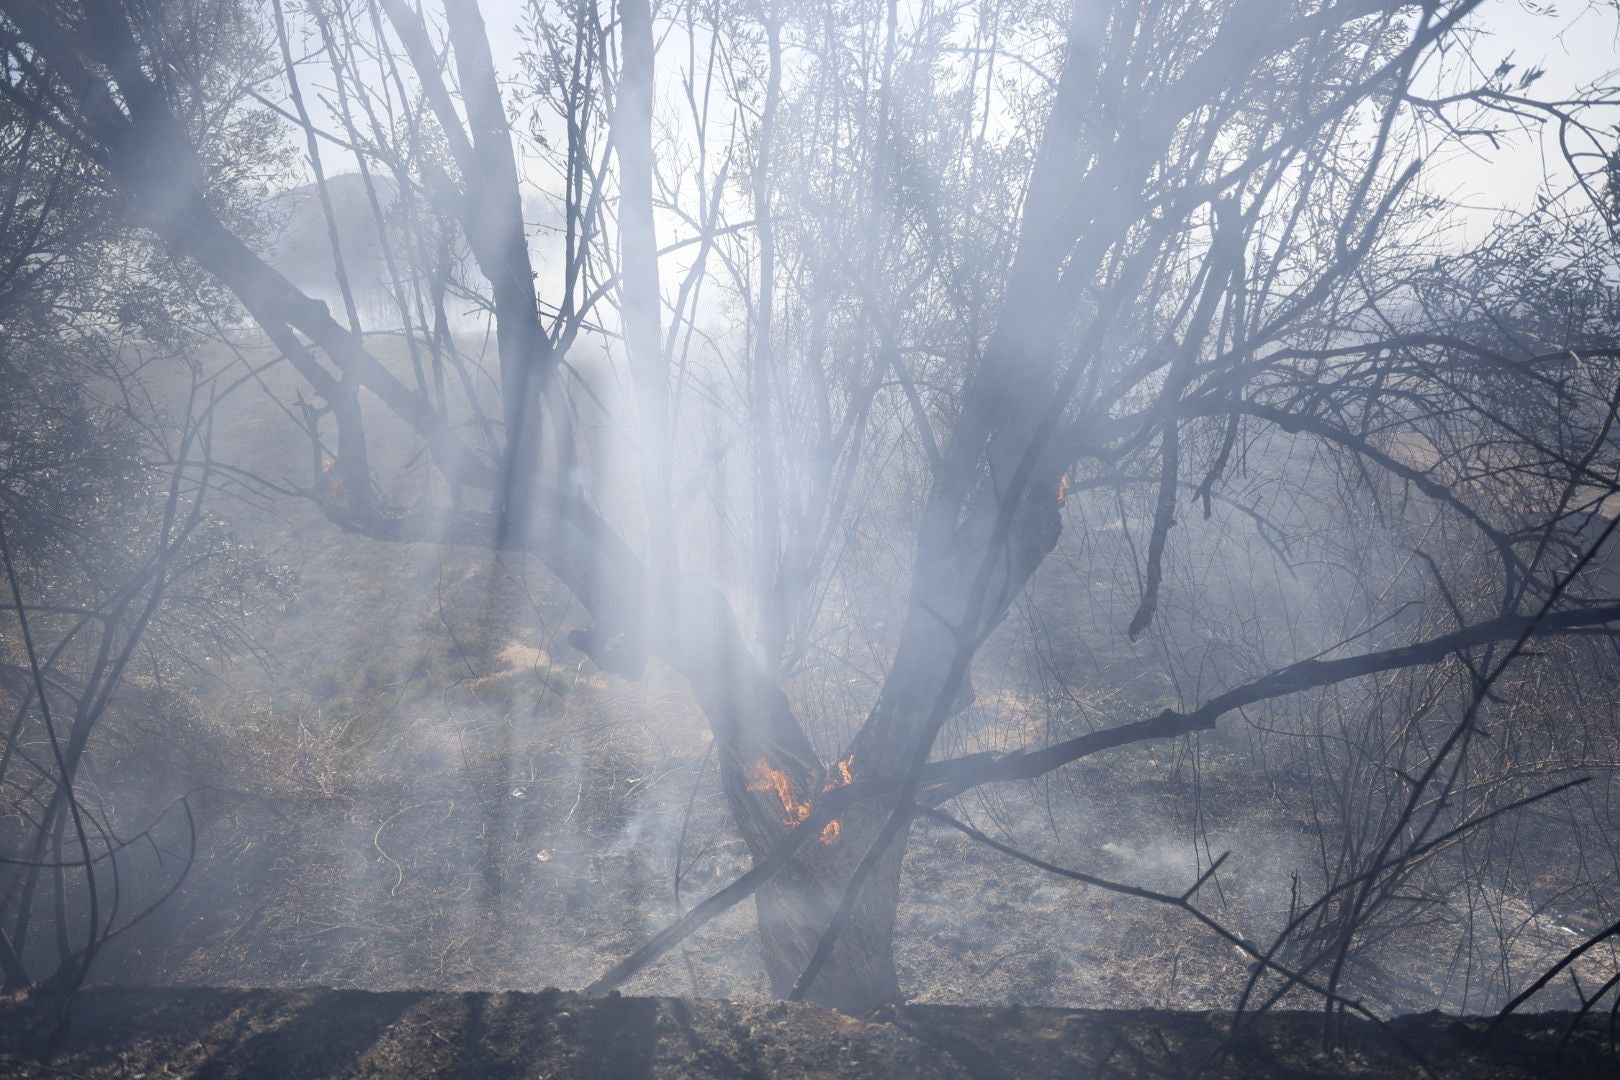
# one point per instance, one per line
(795, 908)
(793, 912)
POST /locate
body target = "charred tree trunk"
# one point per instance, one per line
(767, 793)
(793, 913)
(770, 772)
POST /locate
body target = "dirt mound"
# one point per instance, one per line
(110, 1032)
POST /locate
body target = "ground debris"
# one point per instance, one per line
(115, 1032)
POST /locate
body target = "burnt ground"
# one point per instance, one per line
(340, 1033)
(409, 781)
(395, 806)
(422, 787)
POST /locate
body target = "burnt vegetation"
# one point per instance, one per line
(1060, 504)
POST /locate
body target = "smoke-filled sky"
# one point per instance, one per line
(1575, 44)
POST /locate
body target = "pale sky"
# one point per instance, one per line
(1577, 42)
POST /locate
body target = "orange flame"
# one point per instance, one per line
(795, 811)
(769, 779)
(334, 482)
(844, 773)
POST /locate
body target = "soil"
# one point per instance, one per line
(421, 785)
(206, 1032)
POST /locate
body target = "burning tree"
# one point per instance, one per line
(1179, 232)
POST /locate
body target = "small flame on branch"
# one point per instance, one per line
(843, 774)
(334, 483)
(795, 811)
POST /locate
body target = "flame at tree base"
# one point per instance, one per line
(794, 810)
